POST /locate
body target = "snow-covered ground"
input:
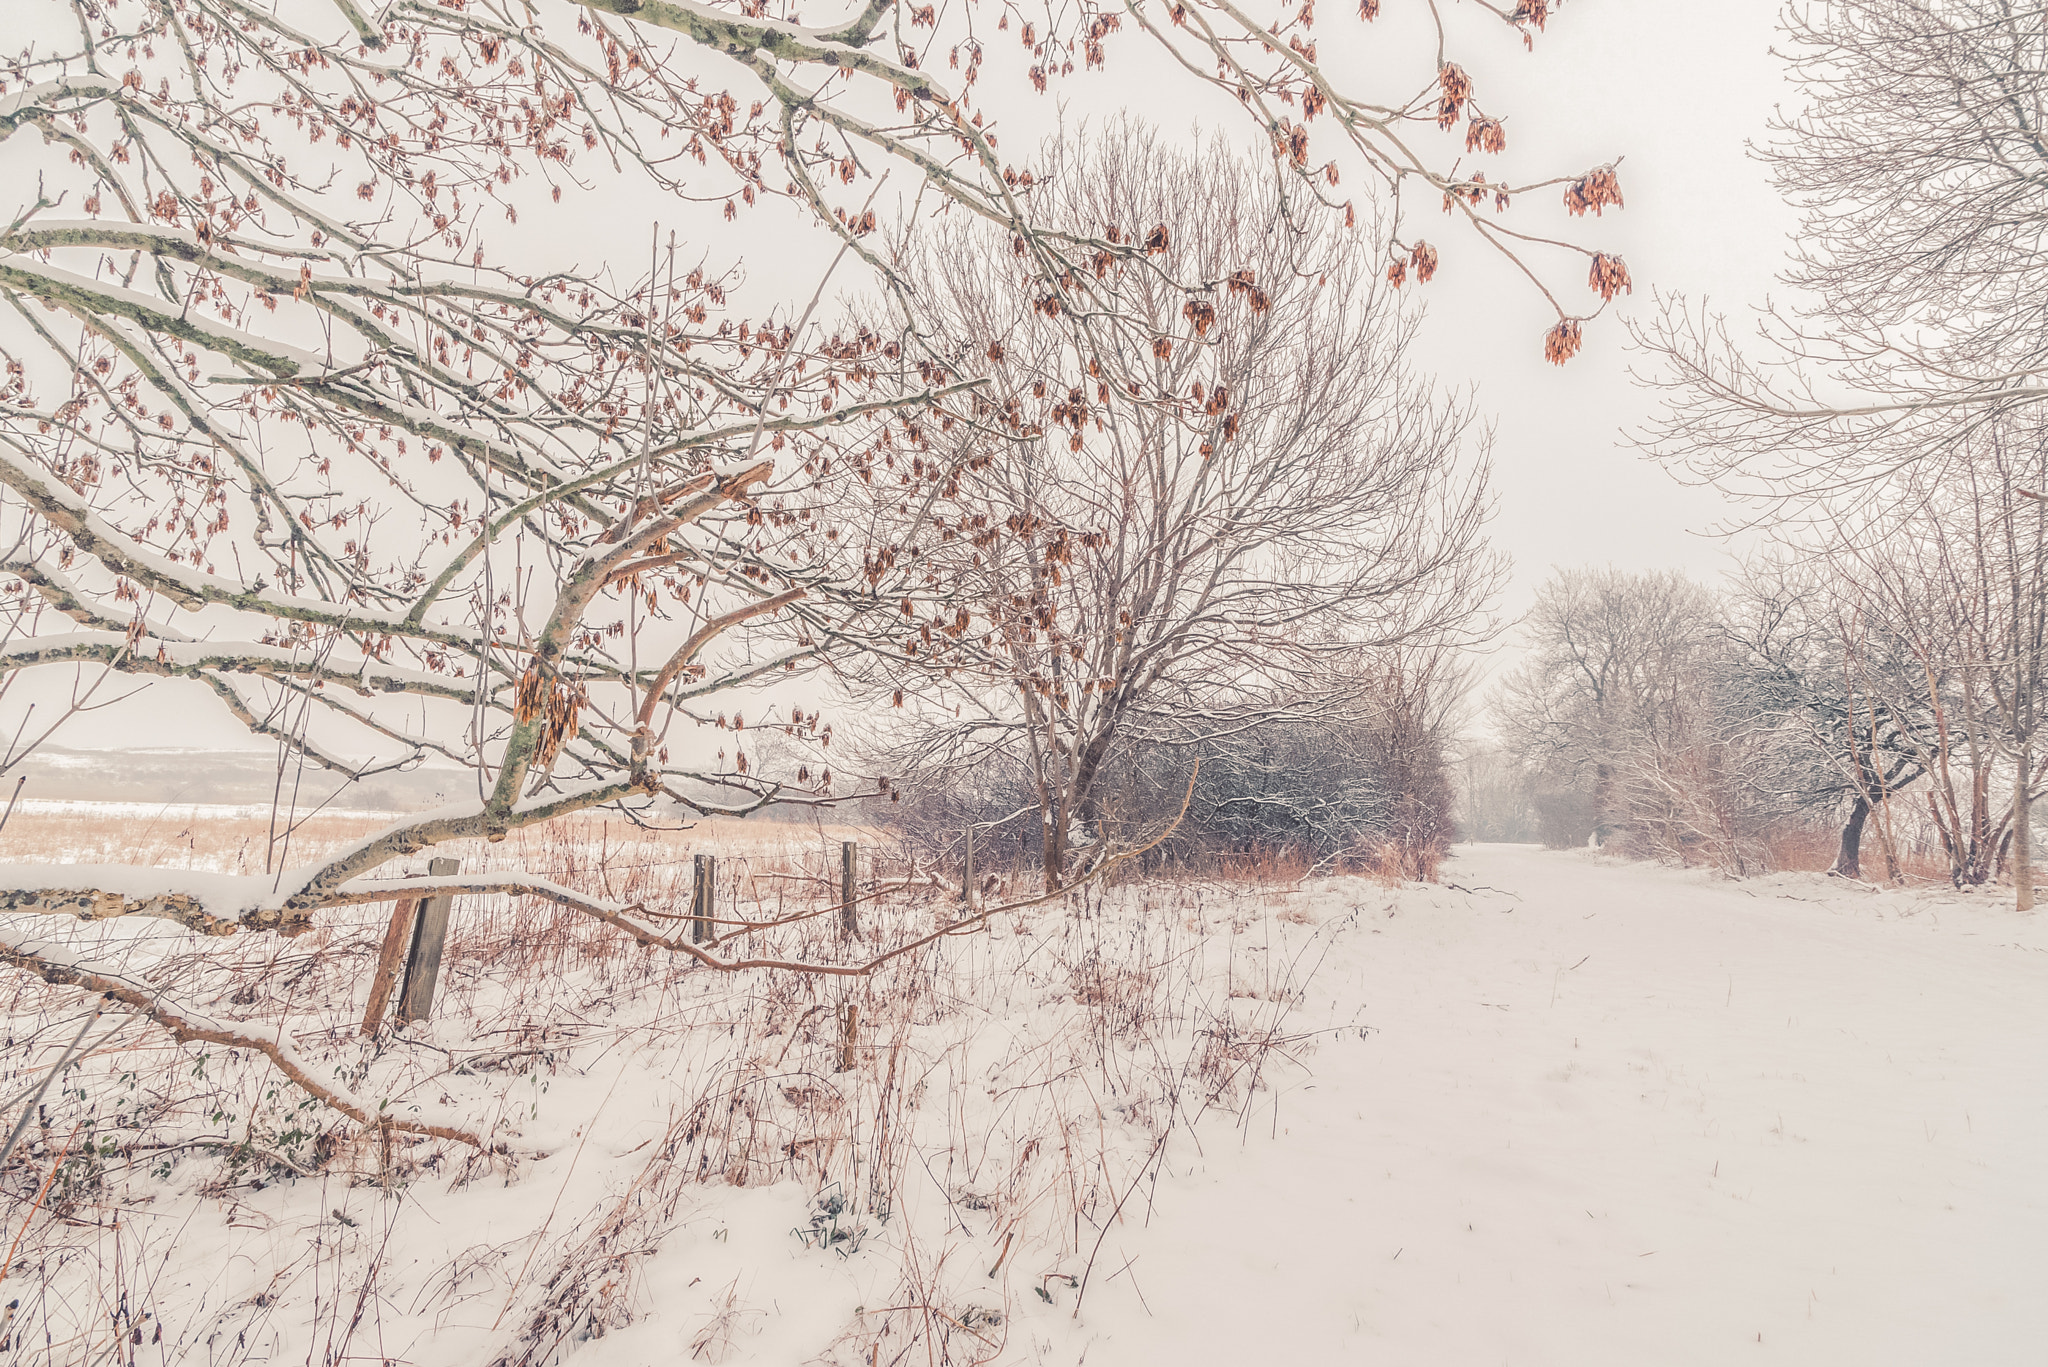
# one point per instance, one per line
(1623, 1114)
(1560, 1111)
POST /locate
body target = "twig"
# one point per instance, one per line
(63, 1061)
(41, 1192)
(1502, 892)
(12, 798)
(186, 1025)
(1090, 1268)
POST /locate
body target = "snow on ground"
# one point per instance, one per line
(1624, 1114)
(1561, 1110)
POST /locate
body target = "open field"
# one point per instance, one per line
(1558, 1110)
(1032, 1073)
(237, 838)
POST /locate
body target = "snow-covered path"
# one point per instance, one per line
(1622, 1114)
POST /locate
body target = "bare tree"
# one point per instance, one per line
(1494, 795)
(287, 414)
(1203, 521)
(1610, 655)
(1958, 574)
(1681, 723)
(1819, 665)
(2009, 545)
(1921, 169)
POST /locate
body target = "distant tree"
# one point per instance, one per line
(1836, 680)
(1496, 799)
(1610, 654)
(1225, 506)
(1919, 166)
(1642, 720)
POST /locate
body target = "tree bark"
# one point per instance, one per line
(1603, 797)
(1055, 836)
(1849, 857)
(1894, 873)
(2022, 831)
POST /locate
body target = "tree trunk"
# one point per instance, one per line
(1892, 872)
(1849, 857)
(1950, 841)
(1055, 846)
(1984, 841)
(1603, 792)
(2022, 831)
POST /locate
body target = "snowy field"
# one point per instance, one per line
(1561, 1111)
(1622, 1114)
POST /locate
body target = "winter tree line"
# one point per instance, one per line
(1876, 668)
(1879, 688)
(1865, 691)
(679, 409)
(689, 409)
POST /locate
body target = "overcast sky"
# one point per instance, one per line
(1676, 87)
(1679, 89)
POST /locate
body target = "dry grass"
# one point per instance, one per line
(182, 837)
(1154, 994)
(1389, 863)
(1800, 849)
(1808, 849)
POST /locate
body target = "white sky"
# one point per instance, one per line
(1676, 87)
(1679, 89)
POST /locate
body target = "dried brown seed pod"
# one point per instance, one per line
(1457, 88)
(1595, 190)
(1486, 135)
(1609, 276)
(530, 696)
(1561, 343)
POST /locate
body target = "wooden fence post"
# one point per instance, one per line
(397, 939)
(429, 936)
(702, 897)
(967, 866)
(849, 886)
